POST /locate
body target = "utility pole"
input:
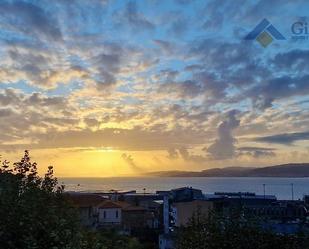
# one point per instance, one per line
(264, 190)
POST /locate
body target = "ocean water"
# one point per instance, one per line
(281, 187)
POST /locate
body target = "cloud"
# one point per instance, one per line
(31, 18)
(60, 133)
(191, 157)
(5, 112)
(130, 161)
(133, 18)
(172, 153)
(296, 60)
(202, 84)
(166, 46)
(284, 138)
(219, 11)
(107, 65)
(278, 88)
(224, 145)
(256, 152)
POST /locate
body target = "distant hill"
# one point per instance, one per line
(283, 170)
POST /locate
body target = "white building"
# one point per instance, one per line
(110, 212)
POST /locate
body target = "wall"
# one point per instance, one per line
(183, 211)
(110, 215)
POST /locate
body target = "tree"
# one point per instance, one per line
(33, 210)
(233, 232)
(35, 214)
(109, 239)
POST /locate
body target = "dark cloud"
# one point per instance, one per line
(295, 60)
(9, 96)
(277, 88)
(92, 122)
(224, 145)
(223, 55)
(38, 99)
(5, 112)
(108, 63)
(194, 67)
(284, 138)
(24, 113)
(202, 84)
(32, 19)
(226, 65)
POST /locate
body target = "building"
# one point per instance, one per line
(182, 212)
(87, 206)
(110, 213)
(186, 194)
(280, 210)
(135, 218)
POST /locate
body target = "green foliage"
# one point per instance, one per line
(219, 232)
(109, 240)
(34, 214)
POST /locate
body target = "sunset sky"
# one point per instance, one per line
(110, 88)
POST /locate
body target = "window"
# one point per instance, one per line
(104, 214)
(117, 214)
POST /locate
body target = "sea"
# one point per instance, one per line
(283, 188)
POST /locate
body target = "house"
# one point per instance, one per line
(87, 207)
(110, 212)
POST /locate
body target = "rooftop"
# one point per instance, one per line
(84, 199)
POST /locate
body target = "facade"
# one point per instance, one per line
(182, 212)
(186, 194)
(281, 210)
(87, 207)
(110, 213)
(136, 218)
